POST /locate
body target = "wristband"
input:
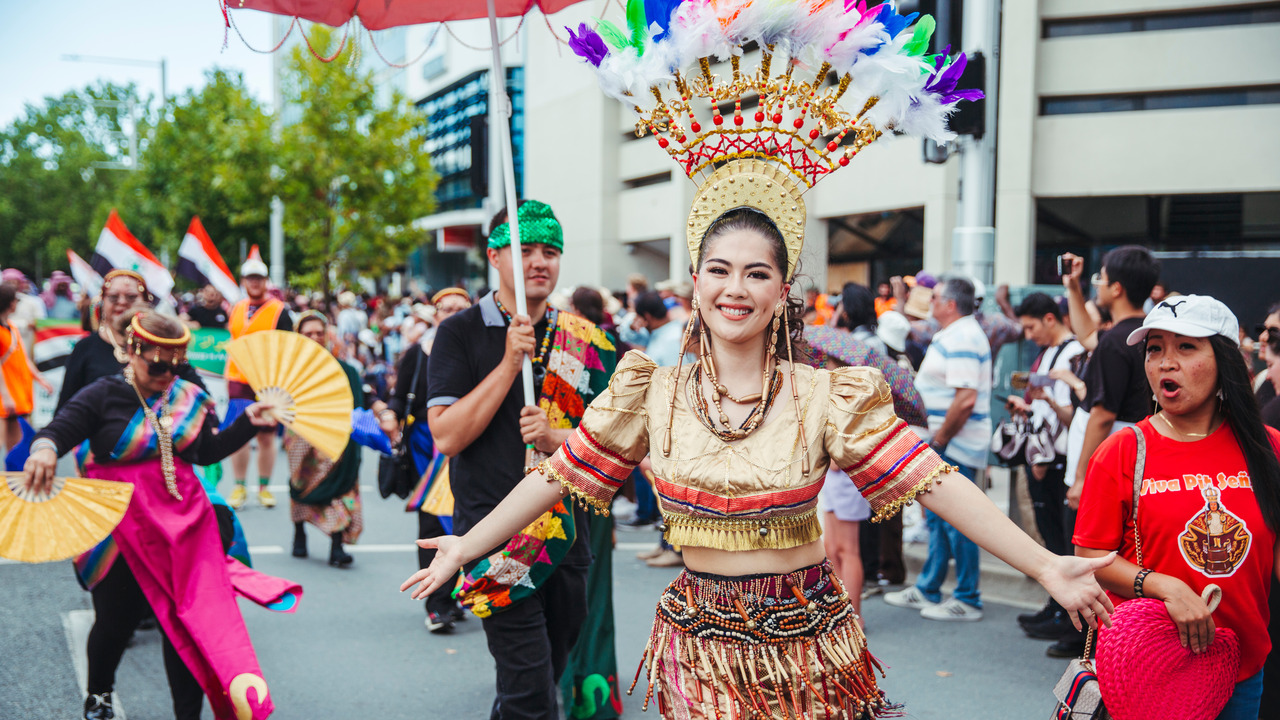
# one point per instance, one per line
(1137, 582)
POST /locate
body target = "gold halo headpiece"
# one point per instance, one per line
(815, 57)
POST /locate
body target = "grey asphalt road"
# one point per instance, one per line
(358, 648)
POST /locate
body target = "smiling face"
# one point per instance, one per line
(541, 269)
(449, 306)
(117, 296)
(1182, 371)
(738, 286)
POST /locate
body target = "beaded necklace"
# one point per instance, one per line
(544, 351)
(163, 425)
(749, 425)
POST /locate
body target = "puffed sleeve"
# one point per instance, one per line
(887, 462)
(611, 440)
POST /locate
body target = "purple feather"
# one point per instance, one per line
(943, 83)
(587, 44)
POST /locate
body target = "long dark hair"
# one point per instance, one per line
(745, 218)
(589, 304)
(1242, 414)
(859, 306)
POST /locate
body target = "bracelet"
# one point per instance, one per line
(44, 443)
(1137, 582)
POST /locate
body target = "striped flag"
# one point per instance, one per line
(118, 249)
(199, 260)
(86, 277)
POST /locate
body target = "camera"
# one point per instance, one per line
(1064, 266)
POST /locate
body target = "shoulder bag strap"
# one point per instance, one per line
(413, 389)
(1139, 467)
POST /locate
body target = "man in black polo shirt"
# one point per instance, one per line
(1117, 393)
(478, 417)
(209, 311)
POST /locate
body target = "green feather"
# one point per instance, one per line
(612, 34)
(638, 24)
(919, 42)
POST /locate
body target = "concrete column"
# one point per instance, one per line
(940, 205)
(813, 258)
(1015, 198)
(972, 245)
(683, 192)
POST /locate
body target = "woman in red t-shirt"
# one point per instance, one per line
(1210, 498)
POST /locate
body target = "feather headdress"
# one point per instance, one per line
(817, 57)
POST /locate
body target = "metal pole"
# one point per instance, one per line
(164, 80)
(498, 123)
(973, 240)
(277, 242)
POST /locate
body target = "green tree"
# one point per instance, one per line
(354, 172)
(53, 191)
(209, 156)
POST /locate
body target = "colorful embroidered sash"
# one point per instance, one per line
(188, 405)
(578, 368)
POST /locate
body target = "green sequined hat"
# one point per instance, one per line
(538, 226)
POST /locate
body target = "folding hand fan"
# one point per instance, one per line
(71, 519)
(303, 383)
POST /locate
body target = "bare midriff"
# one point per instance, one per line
(752, 562)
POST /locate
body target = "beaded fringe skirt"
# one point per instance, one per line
(760, 646)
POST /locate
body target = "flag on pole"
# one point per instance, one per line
(86, 277)
(118, 249)
(199, 260)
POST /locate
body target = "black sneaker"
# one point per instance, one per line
(1052, 629)
(439, 624)
(1067, 647)
(1037, 617)
(457, 614)
(98, 707)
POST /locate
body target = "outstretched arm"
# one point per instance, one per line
(535, 494)
(1070, 580)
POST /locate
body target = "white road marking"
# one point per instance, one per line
(279, 549)
(76, 624)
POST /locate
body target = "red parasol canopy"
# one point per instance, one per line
(383, 14)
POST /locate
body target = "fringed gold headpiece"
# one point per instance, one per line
(137, 332)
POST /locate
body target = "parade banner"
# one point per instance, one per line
(55, 339)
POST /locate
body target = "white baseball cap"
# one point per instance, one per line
(253, 267)
(1197, 316)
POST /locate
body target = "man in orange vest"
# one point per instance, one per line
(256, 312)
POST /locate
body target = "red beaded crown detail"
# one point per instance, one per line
(774, 132)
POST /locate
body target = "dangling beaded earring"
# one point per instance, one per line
(795, 395)
(684, 344)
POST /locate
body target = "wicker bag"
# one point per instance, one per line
(1146, 674)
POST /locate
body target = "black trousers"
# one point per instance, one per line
(118, 606)
(441, 601)
(530, 645)
(1048, 500)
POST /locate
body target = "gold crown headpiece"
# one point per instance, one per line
(136, 336)
(798, 133)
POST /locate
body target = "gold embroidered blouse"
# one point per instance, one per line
(750, 493)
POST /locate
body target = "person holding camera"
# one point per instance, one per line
(1048, 407)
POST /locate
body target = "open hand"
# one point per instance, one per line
(1070, 581)
(444, 568)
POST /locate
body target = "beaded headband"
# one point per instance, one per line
(799, 132)
(139, 333)
(112, 275)
(435, 299)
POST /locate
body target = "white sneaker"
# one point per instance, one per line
(952, 610)
(910, 597)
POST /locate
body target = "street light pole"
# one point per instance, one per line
(162, 64)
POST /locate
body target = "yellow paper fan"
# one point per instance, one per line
(70, 520)
(303, 381)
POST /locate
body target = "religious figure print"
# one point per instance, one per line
(1215, 542)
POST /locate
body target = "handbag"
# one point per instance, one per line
(396, 472)
(1079, 692)
(1018, 441)
(1144, 672)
